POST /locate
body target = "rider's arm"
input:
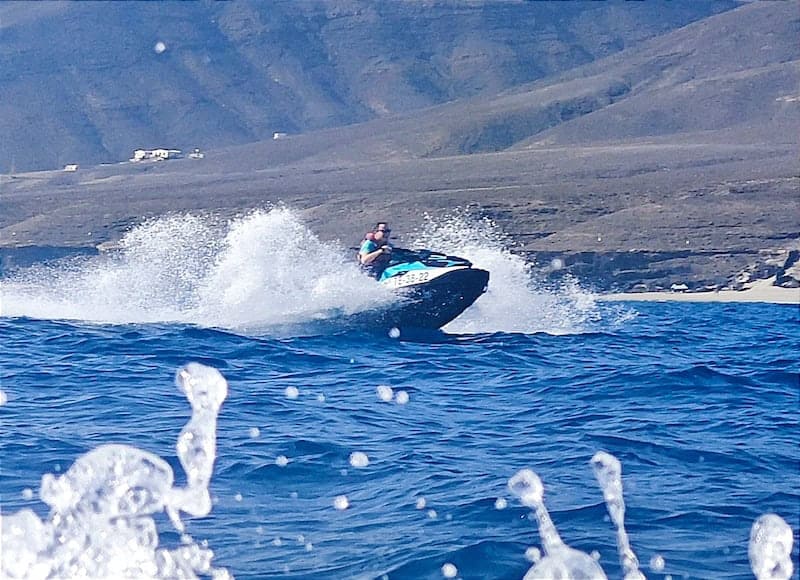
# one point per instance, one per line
(369, 257)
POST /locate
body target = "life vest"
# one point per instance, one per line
(379, 264)
(368, 236)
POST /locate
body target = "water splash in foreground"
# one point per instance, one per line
(771, 548)
(770, 537)
(608, 471)
(560, 560)
(100, 525)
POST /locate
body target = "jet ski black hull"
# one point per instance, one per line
(433, 304)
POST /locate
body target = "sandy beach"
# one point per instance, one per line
(758, 291)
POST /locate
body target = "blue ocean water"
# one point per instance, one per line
(699, 402)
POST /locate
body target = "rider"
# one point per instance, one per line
(375, 251)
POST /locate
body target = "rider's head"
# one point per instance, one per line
(382, 231)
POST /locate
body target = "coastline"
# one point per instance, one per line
(758, 291)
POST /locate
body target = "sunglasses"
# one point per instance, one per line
(384, 231)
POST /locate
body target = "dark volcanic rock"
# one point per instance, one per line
(641, 271)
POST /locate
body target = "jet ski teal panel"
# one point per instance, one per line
(402, 268)
(403, 260)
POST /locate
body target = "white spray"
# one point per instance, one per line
(264, 268)
(267, 269)
(100, 525)
(517, 300)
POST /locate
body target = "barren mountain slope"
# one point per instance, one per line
(87, 82)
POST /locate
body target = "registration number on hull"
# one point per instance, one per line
(414, 277)
(408, 279)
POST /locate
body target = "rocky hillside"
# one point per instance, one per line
(88, 82)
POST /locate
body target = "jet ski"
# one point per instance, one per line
(435, 288)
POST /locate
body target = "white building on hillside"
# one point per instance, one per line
(156, 154)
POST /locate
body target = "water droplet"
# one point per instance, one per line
(359, 459)
(281, 461)
(3, 398)
(321, 397)
(238, 497)
(528, 487)
(421, 503)
(432, 514)
(401, 398)
(394, 332)
(27, 493)
(160, 47)
(384, 393)
(657, 563)
(254, 432)
(292, 392)
(500, 503)
(341, 502)
(449, 570)
(277, 542)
